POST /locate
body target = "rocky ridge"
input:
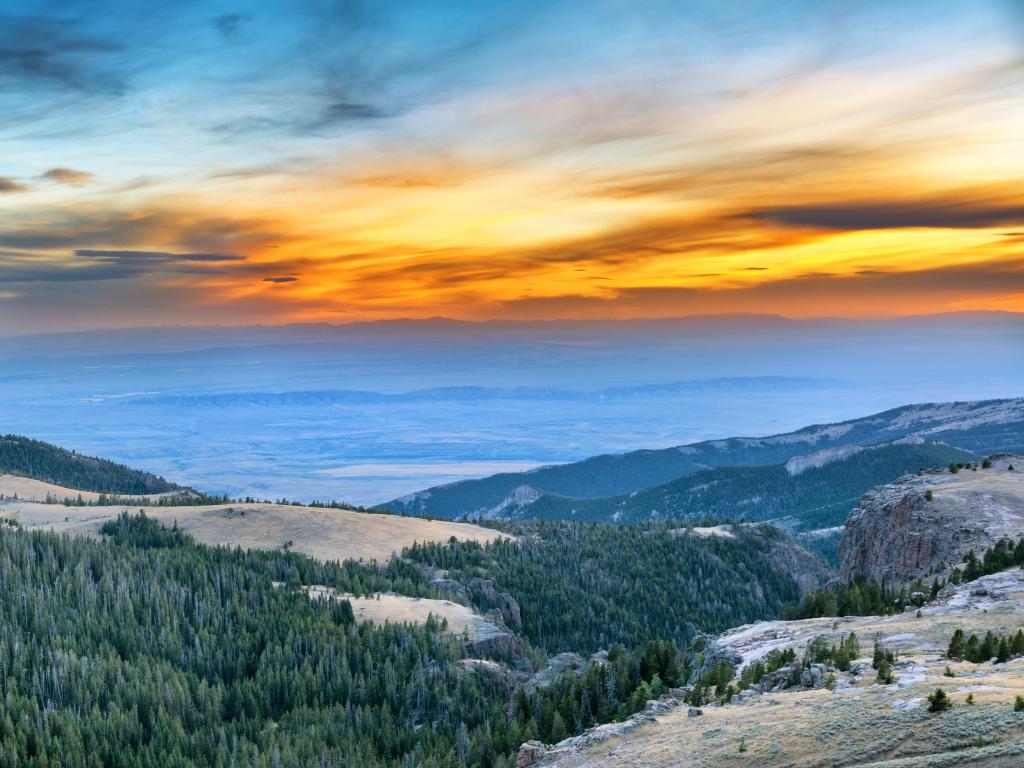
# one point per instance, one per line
(923, 524)
(834, 718)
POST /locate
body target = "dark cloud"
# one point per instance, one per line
(344, 111)
(103, 229)
(7, 185)
(230, 24)
(92, 265)
(50, 52)
(882, 214)
(162, 257)
(279, 279)
(69, 176)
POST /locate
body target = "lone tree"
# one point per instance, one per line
(939, 701)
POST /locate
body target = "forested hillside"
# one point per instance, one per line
(816, 497)
(43, 461)
(150, 650)
(979, 427)
(582, 587)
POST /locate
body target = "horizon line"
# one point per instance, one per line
(439, 319)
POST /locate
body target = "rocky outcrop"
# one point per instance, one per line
(807, 570)
(450, 586)
(555, 667)
(486, 595)
(500, 645)
(530, 753)
(923, 524)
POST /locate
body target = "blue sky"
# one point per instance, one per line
(358, 160)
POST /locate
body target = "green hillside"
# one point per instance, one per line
(149, 650)
(49, 463)
(588, 586)
(978, 427)
(819, 497)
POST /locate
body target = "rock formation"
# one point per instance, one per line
(923, 524)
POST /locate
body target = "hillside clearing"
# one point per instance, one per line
(399, 609)
(324, 534)
(28, 489)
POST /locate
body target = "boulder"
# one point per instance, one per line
(530, 753)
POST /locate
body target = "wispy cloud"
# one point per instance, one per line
(92, 265)
(68, 176)
(46, 52)
(8, 185)
(897, 214)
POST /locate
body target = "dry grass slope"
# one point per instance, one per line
(27, 489)
(865, 724)
(326, 534)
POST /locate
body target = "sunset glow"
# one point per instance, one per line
(550, 160)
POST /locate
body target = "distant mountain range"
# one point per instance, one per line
(476, 394)
(812, 476)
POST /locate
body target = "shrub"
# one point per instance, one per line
(939, 701)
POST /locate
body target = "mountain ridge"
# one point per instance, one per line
(977, 426)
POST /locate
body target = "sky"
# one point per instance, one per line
(276, 162)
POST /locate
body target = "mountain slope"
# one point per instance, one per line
(981, 426)
(846, 719)
(42, 461)
(581, 587)
(800, 493)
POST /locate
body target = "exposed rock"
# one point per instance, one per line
(450, 586)
(655, 707)
(508, 606)
(487, 666)
(555, 668)
(799, 464)
(714, 654)
(813, 676)
(923, 524)
(529, 753)
(694, 712)
(807, 570)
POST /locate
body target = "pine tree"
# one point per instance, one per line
(1003, 654)
(956, 646)
(939, 701)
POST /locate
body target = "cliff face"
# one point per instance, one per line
(922, 524)
(808, 571)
